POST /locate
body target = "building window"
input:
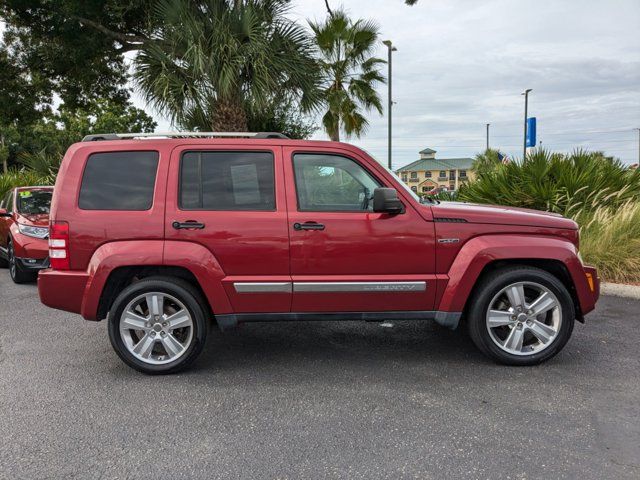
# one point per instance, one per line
(452, 174)
(414, 188)
(414, 174)
(427, 174)
(452, 187)
(425, 189)
(463, 174)
(404, 177)
(443, 174)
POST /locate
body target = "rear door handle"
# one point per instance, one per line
(188, 225)
(308, 226)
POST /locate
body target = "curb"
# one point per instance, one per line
(620, 290)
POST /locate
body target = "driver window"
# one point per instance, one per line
(331, 183)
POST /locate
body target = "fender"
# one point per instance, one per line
(201, 262)
(110, 256)
(191, 256)
(478, 252)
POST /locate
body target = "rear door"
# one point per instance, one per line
(345, 257)
(236, 194)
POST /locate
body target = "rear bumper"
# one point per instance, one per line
(63, 290)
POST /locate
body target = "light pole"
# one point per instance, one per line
(526, 106)
(488, 135)
(391, 49)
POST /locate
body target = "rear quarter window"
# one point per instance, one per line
(119, 181)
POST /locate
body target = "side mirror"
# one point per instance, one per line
(385, 200)
(4, 213)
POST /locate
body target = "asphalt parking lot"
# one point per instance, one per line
(316, 400)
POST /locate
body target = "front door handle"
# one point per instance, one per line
(188, 225)
(308, 226)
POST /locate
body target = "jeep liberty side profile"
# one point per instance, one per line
(160, 233)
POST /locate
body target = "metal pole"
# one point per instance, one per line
(488, 135)
(526, 106)
(390, 49)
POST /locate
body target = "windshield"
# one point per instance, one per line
(33, 202)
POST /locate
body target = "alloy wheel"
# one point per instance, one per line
(156, 328)
(12, 261)
(524, 318)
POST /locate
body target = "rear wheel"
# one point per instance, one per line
(158, 325)
(18, 275)
(521, 316)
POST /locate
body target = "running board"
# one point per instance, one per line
(446, 319)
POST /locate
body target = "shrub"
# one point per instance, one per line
(556, 183)
(610, 240)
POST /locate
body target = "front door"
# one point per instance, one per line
(345, 257)
(237, 195)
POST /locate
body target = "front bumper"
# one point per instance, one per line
(32, 263)
(588, 291)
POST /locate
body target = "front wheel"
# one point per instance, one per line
(158, 325)
(521, 316)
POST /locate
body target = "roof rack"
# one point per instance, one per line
(123, 136)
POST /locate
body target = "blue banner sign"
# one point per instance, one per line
(531, 132)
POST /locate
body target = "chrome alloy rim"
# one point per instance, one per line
(156, 328)
(524, 318)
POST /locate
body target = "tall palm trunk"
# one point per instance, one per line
(229, 116)
(334, 134)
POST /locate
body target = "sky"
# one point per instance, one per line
(462, 64)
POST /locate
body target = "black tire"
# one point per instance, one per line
(182, 291)
(490, 285)
(16, 272)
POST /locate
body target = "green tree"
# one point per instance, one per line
(77, 46)
(350, 73)
(211, 63)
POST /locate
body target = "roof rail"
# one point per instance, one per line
(123, 136)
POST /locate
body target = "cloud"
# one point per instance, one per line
(462, 63)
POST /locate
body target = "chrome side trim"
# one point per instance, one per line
(359, 286)
(262, 287)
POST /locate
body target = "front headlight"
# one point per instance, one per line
(36, 232)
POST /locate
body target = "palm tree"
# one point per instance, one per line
(211, 62)
(349, 72)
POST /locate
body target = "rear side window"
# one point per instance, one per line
(227, 181)
(119, 181)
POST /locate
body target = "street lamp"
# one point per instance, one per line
(391, 49)
(488, 135)
(526, 106)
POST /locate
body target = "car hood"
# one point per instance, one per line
(494, 214)
(38, 220)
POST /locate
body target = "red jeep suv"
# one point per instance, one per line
(24, 228)
(159, 235)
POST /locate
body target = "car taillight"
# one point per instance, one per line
(59, 245)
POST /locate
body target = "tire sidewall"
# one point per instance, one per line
(176, 290)
(481, 303)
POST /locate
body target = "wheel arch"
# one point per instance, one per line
(486, 253)
(115, 265)
(121, 277)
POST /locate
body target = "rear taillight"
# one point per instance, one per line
(59, 245)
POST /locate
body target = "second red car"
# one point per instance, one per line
(24, 230)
